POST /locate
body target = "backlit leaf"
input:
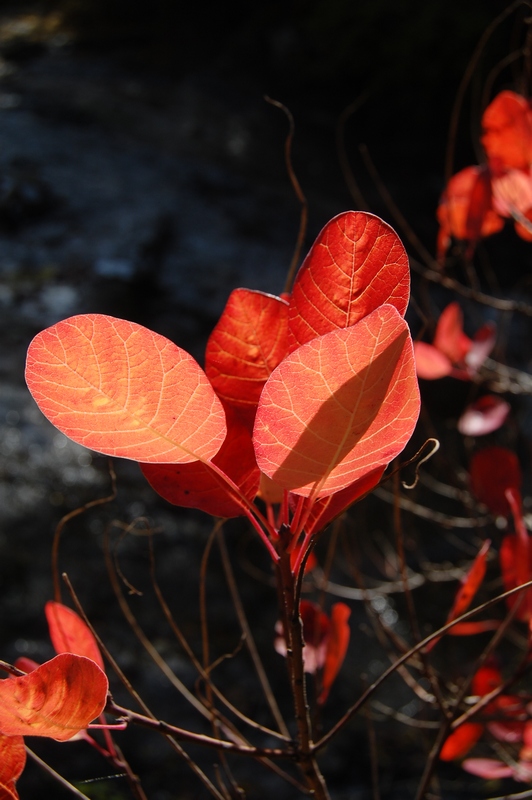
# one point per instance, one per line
(484, 416)
(328, 508)
(507, 138)
(124, 390)
(12, 763)
(493, 470)
(461, 741)
(197, 486)
(58, 699)
(248, 342)
(356, 264)
(70, 634)
(470, 584)
(431, 363)
(465, 211)
(337, 644)
(449, 336)
(339, 407)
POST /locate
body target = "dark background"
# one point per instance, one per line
(142, 174)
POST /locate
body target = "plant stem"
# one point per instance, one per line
(294, 650)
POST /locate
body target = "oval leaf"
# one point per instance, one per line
(356, 264)
(197, 486)
(123, 390)
(339, 407)
(248, 342)
(461, 741)
(70, 634)
(507, 137)
(431, 363)
(58, 699)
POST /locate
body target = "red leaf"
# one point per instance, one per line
(123, 390)
(337, 644)
(461, 741)
(486, 679)
(488, 768)
(70, 634)
(470, 584)
(465, 210)
(431, 364)
(197, 486)
(471, 628)
(516, 559)
(248, 342)
(8, 793)
(339, 407)
(328, 508)
(492, 471)
(449, 337)
(58, 699)
(26, 664)
(356, 264)
(484, 416)
(512, 192)
(12, 763)
(507, 138)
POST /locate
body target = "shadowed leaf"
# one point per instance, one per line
(248, 342)
(197, 486)
(356, 264)
(337, 644)
(123, 390)
(58, 699)
(492, 470)
(339, 407)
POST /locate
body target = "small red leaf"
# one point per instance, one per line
(197, 486)
(471, 628)
(431, 364)
(12, 763)
(70, 634)
(337, 644)
(328, 508)
(356, 264)
(449, 337)
(248, 342)
(465, 210)
(461, 741)
(470, 583)
(58, 699)
(123, 390)
(507, 138)
(339, 407)
(492, 471)
(484, 416)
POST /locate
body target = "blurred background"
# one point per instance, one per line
(142, 174)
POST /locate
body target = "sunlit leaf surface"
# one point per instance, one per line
(339, 407)
(70, 634)
(356, 264)
(123, 390)
(58, 699)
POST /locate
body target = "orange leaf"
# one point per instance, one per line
(197, 486)
(70, 634)
(337, 644)
(461, 741)
(58, 699)
(356, 264)
(123, 390)
(492, 470)
(12, 763)
(339, 407)
(507, 138)
(248, 342)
